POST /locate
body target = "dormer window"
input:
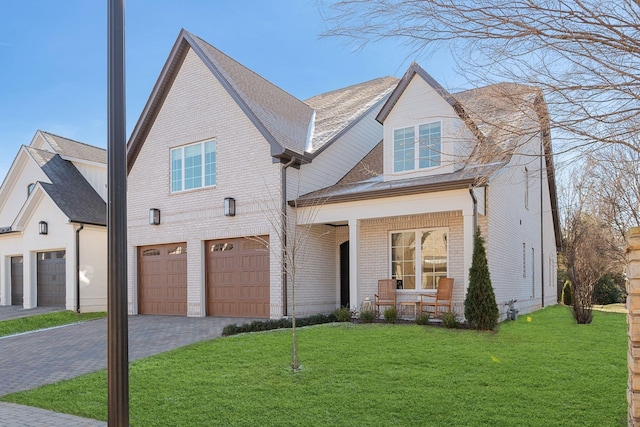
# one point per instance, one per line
(411, 153)
(30, 188)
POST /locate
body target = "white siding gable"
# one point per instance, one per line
(421, 104)
(96, 176)
(14, 191)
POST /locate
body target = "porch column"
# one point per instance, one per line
(354, 252)
(468, 246)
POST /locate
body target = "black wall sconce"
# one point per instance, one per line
(154, 216)
(44, 227)
(229, 206)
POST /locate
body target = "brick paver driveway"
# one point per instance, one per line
(43, 357)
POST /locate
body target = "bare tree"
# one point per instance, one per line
(583, 54)
(591, 248)
(292, 240)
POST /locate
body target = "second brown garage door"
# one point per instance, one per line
(238, 277)
(162, 279)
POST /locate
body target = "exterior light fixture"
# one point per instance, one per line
(44, 227)
(154, 216)
(229, 206)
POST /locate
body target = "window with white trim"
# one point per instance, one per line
(193, 166)
(411, 154)
(419, 257)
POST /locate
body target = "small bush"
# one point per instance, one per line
(480, 306)
(449, 320)
(607, 291)
(367, 316)
(391, 315)
(342, 314)
(423, 318)
(567, 293)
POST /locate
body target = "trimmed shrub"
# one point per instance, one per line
(342, 314)
(450, 320)
(607, 291)
(567, 293)
(367, 316)
(391, 315)
(267, 325)
(480, 307)
(423, 318)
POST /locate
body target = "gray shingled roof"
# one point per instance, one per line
(286, 117)
(69, 190)
(337, 110)
(77, 150)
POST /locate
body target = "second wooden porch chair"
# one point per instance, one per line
(441, 299)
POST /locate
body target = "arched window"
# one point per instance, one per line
(30, 188)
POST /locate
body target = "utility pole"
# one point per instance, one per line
(117, 321)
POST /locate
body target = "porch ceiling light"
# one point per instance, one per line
(154, 216)
(229, 206)
(43, 228)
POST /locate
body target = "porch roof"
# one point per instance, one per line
(376, 188)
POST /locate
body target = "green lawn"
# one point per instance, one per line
(543, 372)
(41, 321)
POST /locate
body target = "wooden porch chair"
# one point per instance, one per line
(386, 295)
(441, 299)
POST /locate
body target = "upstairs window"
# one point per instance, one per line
(424, 152)
(193, 166)
(30, 188)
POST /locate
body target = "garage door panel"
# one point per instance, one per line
(51, 279)
(238, 278)
(162, 281)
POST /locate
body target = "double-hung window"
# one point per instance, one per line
(193, 166)
(424, 152)
(419, 257)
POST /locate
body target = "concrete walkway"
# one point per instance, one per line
(43, 357)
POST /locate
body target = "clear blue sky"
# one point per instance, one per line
(53, 58)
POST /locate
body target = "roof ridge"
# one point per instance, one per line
(351, 86)
(72, 140)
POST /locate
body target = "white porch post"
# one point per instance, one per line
(354, 252)
(468, 246)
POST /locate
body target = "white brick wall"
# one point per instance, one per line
(198, 108)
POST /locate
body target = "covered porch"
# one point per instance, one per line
(415, 238)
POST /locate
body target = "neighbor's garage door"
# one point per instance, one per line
(162, 279)
(51, 279)
(16, 280)
(238, 277)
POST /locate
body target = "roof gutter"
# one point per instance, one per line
(284, 234)
(475, 209)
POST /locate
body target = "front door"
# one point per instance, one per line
(344, 274)
(16, 280)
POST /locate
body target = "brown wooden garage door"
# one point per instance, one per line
(16, 280)
(238, 278)
(52, 279)
(162, 279)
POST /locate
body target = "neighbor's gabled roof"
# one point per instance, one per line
(70, 149)
(68, 189)
(281, 118)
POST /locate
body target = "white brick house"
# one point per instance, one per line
(53, 238)
(214, 131)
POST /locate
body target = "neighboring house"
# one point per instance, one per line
(53, 238)
(222, 161)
